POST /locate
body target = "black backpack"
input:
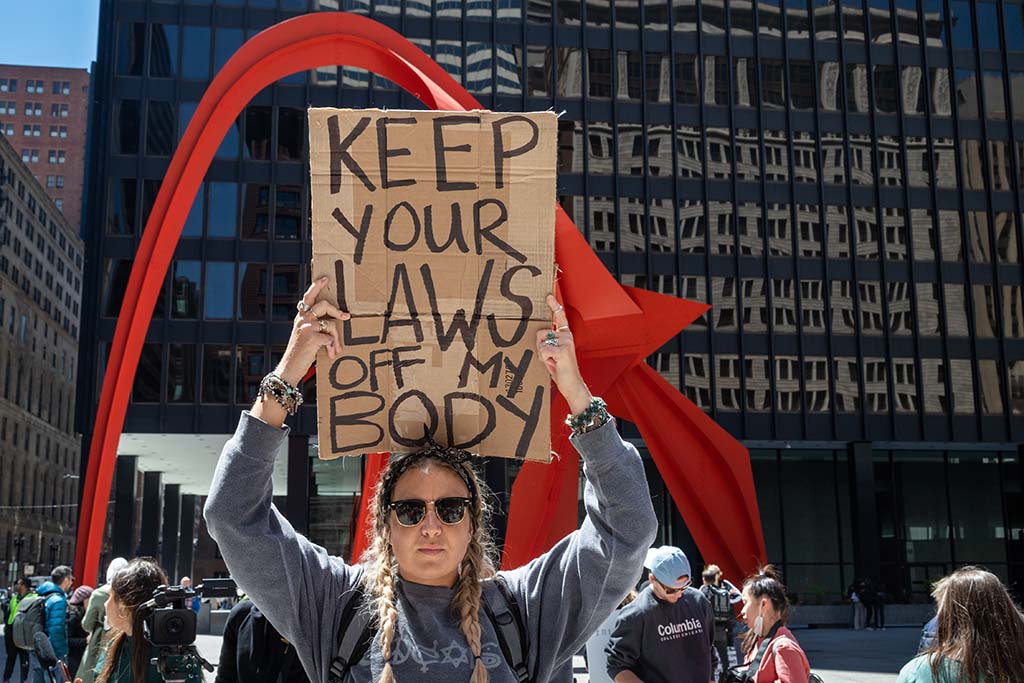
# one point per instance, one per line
(356, 631)
(29, 620)
(719, 599)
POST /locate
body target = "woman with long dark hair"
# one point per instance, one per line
(128, 654)
(430, 558)
(980, 635)
(777, 653)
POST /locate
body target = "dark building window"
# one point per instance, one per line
(181, 373)
(121, 207)
(251, 366)
(131, 49)
(160, 128)
(291, 133)
(128, 126)
(216, 373)
(222, 219)
(195, 53)
(185, 289)
(219, 295)
(258, 124)
(163, 51)
(146, 388)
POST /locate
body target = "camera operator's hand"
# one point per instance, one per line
(315, 328)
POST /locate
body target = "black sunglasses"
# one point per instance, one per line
(411, 512)
(672, 591)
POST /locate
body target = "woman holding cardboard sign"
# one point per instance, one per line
(425, 602)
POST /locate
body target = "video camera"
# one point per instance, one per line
(170, 626)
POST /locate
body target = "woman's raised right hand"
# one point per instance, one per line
(314, 328)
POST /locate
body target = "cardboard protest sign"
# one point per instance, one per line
(437, 232)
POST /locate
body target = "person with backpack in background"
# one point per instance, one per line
(252, 650)
(22, 590)
(722, 595)
(46, 613)
(428, 577)
(979, 636)
(78, 637)
(95, 622)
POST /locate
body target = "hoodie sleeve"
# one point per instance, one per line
(567, 592)
(279, 569)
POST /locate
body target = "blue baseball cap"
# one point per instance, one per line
(668, 563)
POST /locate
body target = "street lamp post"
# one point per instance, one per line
(19, 541)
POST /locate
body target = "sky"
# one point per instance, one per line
(49, 32)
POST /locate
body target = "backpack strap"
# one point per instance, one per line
(355, 634)
(508, 627)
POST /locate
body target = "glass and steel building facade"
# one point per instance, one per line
(842, 181)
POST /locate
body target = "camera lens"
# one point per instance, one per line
(175, 626)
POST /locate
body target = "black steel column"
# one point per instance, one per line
(172, 518)
(867, 557)
(124, 506)
(186, 535)
(152, 507)
(297, 503)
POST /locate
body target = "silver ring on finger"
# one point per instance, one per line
(551, 342)
(324, 326)
(559, 309)
(303, 307)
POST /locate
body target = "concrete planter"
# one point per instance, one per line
(842, 615)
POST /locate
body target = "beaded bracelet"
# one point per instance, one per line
(285, 394)
(593, 416)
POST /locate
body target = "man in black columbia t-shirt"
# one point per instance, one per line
(666, 634)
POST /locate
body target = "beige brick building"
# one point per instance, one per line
(41, 258)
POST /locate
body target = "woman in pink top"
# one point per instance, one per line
(765, 611)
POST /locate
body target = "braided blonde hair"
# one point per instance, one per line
(381, 568)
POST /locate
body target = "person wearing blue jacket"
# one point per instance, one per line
(54, 592)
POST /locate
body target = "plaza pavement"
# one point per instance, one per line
(837, 655)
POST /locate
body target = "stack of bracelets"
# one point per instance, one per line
(282, 392)
(592, 417)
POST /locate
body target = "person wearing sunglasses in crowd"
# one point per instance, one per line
(667, 634)
(430, 556)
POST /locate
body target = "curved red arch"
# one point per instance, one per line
(337, 38)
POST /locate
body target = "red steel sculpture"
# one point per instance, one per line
(706, 471)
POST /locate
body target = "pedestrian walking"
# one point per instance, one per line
(94, 621)
(772, 653)
(54, 592)
(252, 651)
(427, 574)
(860, 613)
(667, 634)
(979, 634)
(15, 655)
(722, 595)
(78, 637)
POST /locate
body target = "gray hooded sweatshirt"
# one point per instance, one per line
(563, 595)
